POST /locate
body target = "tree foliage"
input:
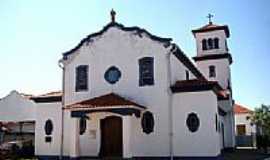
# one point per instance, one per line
(261, 118)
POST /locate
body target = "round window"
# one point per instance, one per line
(148, 122)
(48, 127)
(193, 122)
(112, 75)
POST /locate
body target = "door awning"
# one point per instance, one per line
(106, 103)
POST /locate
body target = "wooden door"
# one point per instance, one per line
(241, 129)
(111, 137)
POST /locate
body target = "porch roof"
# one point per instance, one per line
(110, 100)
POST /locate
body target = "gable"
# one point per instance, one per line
(16, 107)
(140, 32)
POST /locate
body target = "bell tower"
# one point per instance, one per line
(213, 58)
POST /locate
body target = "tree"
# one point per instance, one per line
(261, 118)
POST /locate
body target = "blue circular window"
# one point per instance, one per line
(112, 75)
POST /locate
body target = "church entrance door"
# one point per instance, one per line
(111, 137)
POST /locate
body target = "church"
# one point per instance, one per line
(130, 94)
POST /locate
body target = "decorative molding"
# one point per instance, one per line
(195, 86)
(213, 57)
(121, 111)
(211, 27)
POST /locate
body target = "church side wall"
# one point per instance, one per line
(205, 142)
(44, 112)
(178, 70)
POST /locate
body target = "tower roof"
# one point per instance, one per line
(212, 27)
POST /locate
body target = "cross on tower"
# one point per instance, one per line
(210, 16)
(113, 15)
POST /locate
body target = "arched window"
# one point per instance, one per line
(216, 42)
(210, 43)
(48, 127)
(148, 122)
(82, 125)
(146, 71)
(193, 122)
(81, 78)
(204, 44)
(212, 71)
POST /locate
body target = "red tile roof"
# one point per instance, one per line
(107, 100)
(51, 94)
(50, 97)
(239, 109)
(212, 27)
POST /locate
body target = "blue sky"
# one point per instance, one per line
(34, 34)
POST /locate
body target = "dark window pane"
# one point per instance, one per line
(216, 122)
(216, 42)
(187, 75)
(112, 75)
(193, 122)
(81, 78)
(210, 43)
(48, 127)
(204, 44)
(148, 122)
(82, 125)
(146, 69)
(212, 71)
(48, 139)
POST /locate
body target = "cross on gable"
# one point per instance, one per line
(210, 16)
(113, 15)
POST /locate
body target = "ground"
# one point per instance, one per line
(245, 154)
(239, 154)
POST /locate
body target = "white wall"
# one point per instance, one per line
(222, 70)
(123, 50)
(15, 107)
(47, 111)
(178, 70)
(89, 143)
(204, 142)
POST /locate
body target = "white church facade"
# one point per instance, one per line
(130, 94)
